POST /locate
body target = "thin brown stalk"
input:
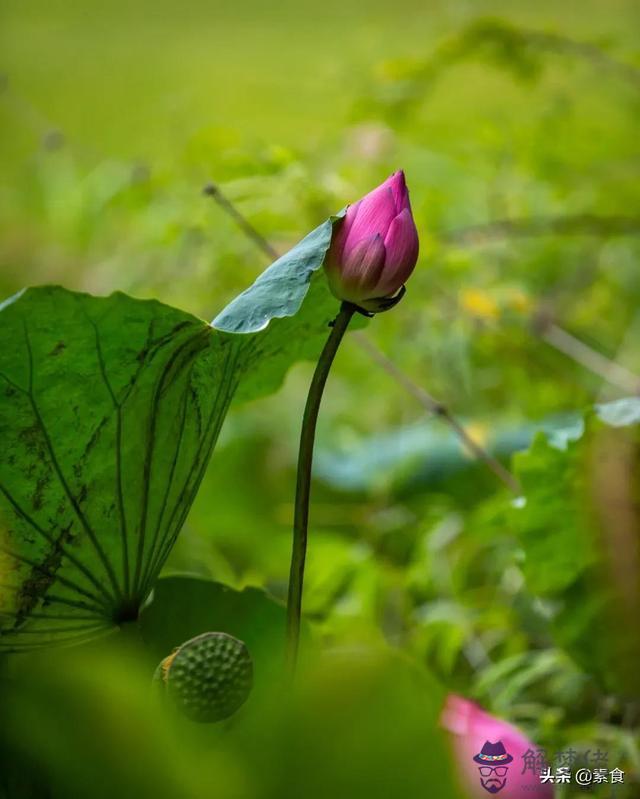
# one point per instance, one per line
(434, 406)
(611, 371)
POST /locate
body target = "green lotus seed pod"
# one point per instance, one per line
(209, 677)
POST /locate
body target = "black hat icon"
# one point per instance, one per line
(493, 755)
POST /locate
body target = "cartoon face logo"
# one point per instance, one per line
(493, 766)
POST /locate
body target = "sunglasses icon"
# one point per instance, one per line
(500, 771)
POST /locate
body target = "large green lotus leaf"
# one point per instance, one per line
(109, 411)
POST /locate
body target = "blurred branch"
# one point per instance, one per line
(51, 137)
(586, 356)
(434, 406)
(212, 190)
(628, 347)
(595, 55)
(420, 394)
(511, 46)
(571, 225)
(503, 45)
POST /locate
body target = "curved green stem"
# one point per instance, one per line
(303, 481)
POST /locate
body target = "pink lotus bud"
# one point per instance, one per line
(375, 247)
(491, 755)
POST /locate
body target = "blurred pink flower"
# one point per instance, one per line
(375, 248)
(491, 754)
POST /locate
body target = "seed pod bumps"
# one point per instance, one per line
(208, 678)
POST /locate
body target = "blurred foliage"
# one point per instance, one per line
(516, 124)
(329, 736)
(578, 529)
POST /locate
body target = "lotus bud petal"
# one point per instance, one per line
(361, 269)
(374, 248)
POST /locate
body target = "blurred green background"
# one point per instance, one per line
(516, 124)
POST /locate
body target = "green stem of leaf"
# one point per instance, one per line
(303, 481)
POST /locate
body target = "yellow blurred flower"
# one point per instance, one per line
(479, 303)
